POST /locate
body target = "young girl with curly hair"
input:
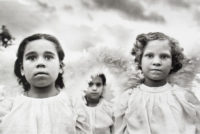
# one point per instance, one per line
(157, 106)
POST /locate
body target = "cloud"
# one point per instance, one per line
(45, 6)
(179, 3)
(20, 18)
(129, 9)
(197, 16)
(67, 7)
(172, 3)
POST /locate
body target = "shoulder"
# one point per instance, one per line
(124, 97)
(107, 106)
(184, 93)
(66, 99)
(6, 105)
(121, 102)
(196, 92)
(187, 98)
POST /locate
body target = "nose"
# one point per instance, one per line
(40, 63)
(40, 66)
(156, 61)
(94, 88)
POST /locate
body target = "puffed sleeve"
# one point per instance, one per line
(5, 106)
(81, 118)
(120, 107)
(108, 108)
(196, 93)
(191, 106)
(194, 101)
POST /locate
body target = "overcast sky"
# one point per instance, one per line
(82, 25)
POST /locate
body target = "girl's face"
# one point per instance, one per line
(41, 64)
(95, 88)
(156, 62)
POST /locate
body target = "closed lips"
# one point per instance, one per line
(94, 93)
(156, 70)
(41, 73)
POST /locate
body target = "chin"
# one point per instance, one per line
(95, 98)
(158, 79)
(42, 84)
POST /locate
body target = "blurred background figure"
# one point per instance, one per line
(6, 37)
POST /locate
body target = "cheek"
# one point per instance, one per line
(56, 64)
(143, 65)
(101, 90)
(27, 67)
(88, 90)
(170, 64)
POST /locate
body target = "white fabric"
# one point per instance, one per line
(101, 117)
(53, 115)
(156, 110)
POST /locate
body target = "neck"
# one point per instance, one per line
(42, 92)
(92, 102)
(155, 83)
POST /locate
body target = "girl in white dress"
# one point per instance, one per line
(156, 106)
(43, 108)
(99, 110)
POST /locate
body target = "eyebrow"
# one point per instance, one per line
(30, 53)
(147, 52)
(48, 52)
(162, 52)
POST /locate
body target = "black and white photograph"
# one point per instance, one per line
(99, 67)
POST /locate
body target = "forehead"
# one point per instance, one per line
(40, 46)
(158, 46)
(95, 79)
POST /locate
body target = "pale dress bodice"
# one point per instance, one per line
(53, 115)
(156, 110)
(100, 117)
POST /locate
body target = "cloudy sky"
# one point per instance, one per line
(82, 25)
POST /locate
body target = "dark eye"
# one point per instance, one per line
(90, 84)
(48, 57)
(149, 55)
(98, 84)
(31, 57)
(164, 56)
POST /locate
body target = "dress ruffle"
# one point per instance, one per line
(156, 110)
(101, 117)
(53, 115)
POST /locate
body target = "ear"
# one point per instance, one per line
(172, 67)
(22, 71)
(85, 91)
(61, 69)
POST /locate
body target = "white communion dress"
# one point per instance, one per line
(157, 110)
(53, 115)
(100, 117)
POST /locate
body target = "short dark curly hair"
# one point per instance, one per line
(176, 51)
(100, 75)
(20, 53)
(103, 78)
